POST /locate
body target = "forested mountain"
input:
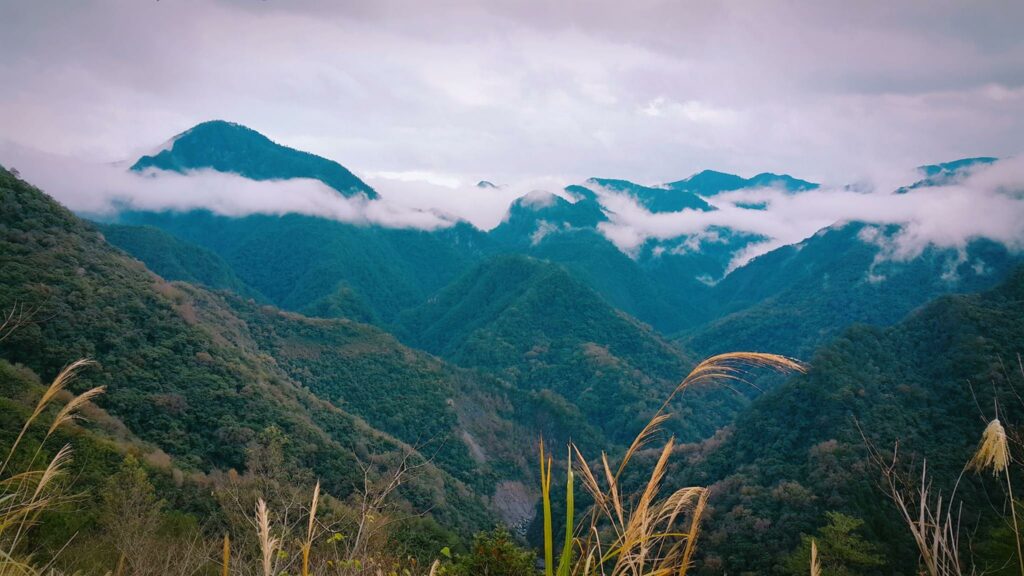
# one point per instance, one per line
(947, 172)
(358, 345)
(585, 363)
(229, 147)
(174, 259)
(191, 372)
(928, 383)
(660, 199)
(319, 265)
(789, 300)
(710, 182)
(794, 298)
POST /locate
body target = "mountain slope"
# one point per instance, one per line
(532, 323)
(318, 265)
(229, 147)
(173, 259)
(551, 228)
(928, 382)
(947, 173)
(792, 299)
(655, 199)
(183, 371)
(537, 215)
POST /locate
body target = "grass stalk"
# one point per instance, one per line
(545, 491)
(225, 568)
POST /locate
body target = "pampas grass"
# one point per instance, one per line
(633, 534)
(994, 454)
(268, 543)
(815, 564)
(25, 495)
(308, 544)
(65, 377)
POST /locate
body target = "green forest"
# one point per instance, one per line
(183, 401)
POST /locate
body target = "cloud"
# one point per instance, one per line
(407, 200)
(104, 189)
(484, 207)
(516, 89)
(987, 204)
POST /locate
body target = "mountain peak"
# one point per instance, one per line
(711, 182)
(234, 148)
(655, 199)
(946, 173)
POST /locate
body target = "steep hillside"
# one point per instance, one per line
(928, 383)
(532, 323)
(794, 298)
(229, 147)
(174, 259)
(177, 377)
(327, 267)
(367, 372)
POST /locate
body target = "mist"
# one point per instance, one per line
(986, 204)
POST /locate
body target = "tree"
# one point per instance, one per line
(148, 540)
(131, 512)
(494, 553)
(841, 551)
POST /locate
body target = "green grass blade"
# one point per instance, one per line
(566, 559)
(545, 491)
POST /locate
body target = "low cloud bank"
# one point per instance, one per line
(104, 189)
(989, 203)
(408, 200)
(458, 198)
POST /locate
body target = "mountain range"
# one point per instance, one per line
(460, 347)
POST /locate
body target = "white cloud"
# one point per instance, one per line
(104, 189)
(515, 89)
(987, 204)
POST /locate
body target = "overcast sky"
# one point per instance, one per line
(455, 90)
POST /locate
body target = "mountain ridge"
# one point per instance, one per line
(229, 147)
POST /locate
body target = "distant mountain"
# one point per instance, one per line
(655, 199)
(929, 383)
(947, 173)
(532, 217)
(710, 182)
(229, 147)
(326, 267)
(793, 298)
(549, 227)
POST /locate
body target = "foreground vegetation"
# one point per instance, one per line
(271, 525)
(213, 401)
(270, 522)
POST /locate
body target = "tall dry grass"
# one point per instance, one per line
(645, 532)
(27, 492)
(933, 521)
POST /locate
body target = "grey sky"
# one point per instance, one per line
(511, 91)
